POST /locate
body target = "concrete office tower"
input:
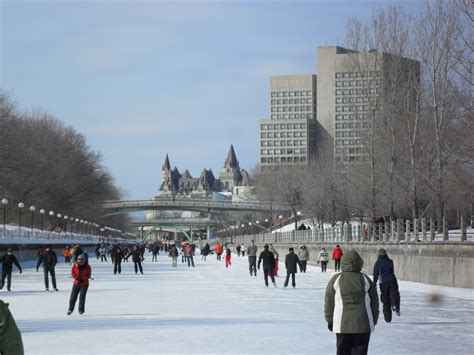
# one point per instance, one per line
(353, 90)
(289, 136)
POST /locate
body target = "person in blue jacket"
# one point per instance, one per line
(389, 292)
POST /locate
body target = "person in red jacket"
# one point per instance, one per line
(81, 272)
(337, 256)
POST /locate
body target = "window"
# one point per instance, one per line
(338, 92)
(274, 109)
(338, 84)
(297, 151)
(274, 94)
(280, 117)
(280, 109)
(263, 160)
(285, 116)
(285, 101)
(274, 116)
(308, 101)
(280, 94)
(263, 127)
(308, 93)
(285, 94)
(291, 101)
(308, 108)
(263, 143)
(338, 75)
(283, 160)
(283, 151)
(277, 160)
(270, 135)
(303, 134)
(263, 151)
(303, 125)
(291, 114)
(270, 151)
(292, 93)
(279, 101)
(285, 108)
(270, 143)
(263, 135)
(289, 151)
(289, 159)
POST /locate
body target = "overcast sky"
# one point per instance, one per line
(142, 79)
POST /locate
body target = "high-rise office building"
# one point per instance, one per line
(352, 90)
(288, 137)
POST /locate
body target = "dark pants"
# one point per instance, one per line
(8, 276)
(155, 257)
(219, 256)
(324, 264)
(190, 260)
(337, 264)
(390, 297)
(138, 265)
(267, 271)
(118, 266)
(253, 265)
(80, 290)
(103, 258)
(293, 283)
(50, 270)
(352, 344)
(303, 265)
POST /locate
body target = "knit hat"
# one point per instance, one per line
(291, 249)
(382, 252)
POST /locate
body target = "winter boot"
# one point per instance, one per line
(69, 312)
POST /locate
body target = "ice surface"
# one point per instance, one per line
(213, 310)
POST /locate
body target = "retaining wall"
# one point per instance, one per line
(29, 252)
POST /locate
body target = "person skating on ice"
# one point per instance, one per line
(80, 272)
(8, 260)
(268, 259)
(291, 262)
(49, 260)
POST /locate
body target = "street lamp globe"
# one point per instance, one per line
(51, 213)
(32, 208)
(21, 205)
(42, 211)
(59, 215)
(4, 201)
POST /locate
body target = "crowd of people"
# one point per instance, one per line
(352, 325)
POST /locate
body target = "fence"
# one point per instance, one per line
(44, 235)
(399, 231)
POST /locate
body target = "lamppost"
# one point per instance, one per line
(65, 224)
(266, 223)
(81, 226)
(77, 223)
(51, 214)
(250, 228)
(298, 215)
(280, 217)
(59, 215)
(20, 206)
(4, 203)
(70, 227)
(32, 209)
(258, 225)
(42, 212)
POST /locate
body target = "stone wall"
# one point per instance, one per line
(28, 252)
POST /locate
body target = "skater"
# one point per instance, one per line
(242, 250)
(66, 254)
(303, 254)
(275, 267)
(117, 256)
(238, 250)
(103, 253)
(351, 306)
(218, 249)
(389, 293)
(323, 259)
(252, 255)
(155, 252)
(228, 252)
(49, 260)
(173, 254)
(268, 262)
(7, 260)
(337, 254)
(10, 336)
(291, 262)
(205, 251)
(97, 250)
(189, 255)
(80, 272)
(135, 253)
(183, 254)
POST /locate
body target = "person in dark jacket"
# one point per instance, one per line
(136, 258)
(7, 260)
(205, 251)
(10, 336)
(81, 273)
(117, 256)
(389, 293)
(49, 260)
(268, 263)
(351, 306)
(291, 263)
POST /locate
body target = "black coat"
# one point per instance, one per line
(48, 259)
(8, 261)
(291, 262)
(136, 255)
(383, 268)
(268, 259)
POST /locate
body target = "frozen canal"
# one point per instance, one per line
(214, 310)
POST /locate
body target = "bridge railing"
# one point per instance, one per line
(17, 234)
(415, 231)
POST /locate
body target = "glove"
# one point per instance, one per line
(79, 281)
(330, 327)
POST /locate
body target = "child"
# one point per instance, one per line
(228, 252)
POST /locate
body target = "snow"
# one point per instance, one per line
(213, 310)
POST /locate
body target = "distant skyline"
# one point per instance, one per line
(144, 79)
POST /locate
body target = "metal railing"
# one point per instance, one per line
(45, 235)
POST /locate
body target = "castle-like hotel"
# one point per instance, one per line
(231, 179)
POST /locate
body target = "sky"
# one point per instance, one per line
(144, 79)
(211, 309)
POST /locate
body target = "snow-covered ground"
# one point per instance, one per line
(213, 310)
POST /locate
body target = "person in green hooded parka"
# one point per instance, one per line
(10, 336)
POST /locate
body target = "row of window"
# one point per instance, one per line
(351, 100)
(284, 134)
(348, 142)
(283, 160)
(353, 125)
(291, 101)
(353, 158)
(348, 133)
(292, 116)
(290, 93)
(353, 108)
(288, 151)
(282, 143)
(363, 91)
(347, 117)
(360, 83)
(265, 127)
(359, 74)
(290, 108)
(349, 150)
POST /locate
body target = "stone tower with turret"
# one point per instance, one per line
(230, 175)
